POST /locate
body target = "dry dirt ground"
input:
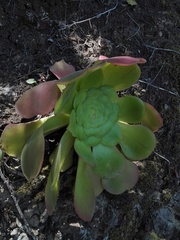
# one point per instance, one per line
(35, 34)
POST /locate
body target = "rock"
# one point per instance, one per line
(23, 236)
(165, 220)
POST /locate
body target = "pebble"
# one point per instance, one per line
(14, 232)
(23, 236)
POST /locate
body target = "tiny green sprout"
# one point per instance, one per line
(106, 131)
(131, 2)
(31, 81)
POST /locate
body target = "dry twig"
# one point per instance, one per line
(64, 26)
(160, 88)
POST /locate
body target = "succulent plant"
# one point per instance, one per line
(106, 131)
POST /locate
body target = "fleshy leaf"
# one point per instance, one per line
(65, 102)
(33, 155)
(1, 155)
(91, 80)
(126, 179)
(121, 77)
(152, 118)
(84, 195)
(122, 60)
(137, 142)
(40, 99)
(84, 152)
(131, 109)
(76, 76)
(15, 136)
(113, 136)
(95, 180)
(109, 162)
(61, 69)
(72, 127)
(51, 194)
(55, 122)
(62, 159)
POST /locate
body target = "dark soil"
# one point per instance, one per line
(35, 34)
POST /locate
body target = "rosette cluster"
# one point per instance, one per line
(94, 115)
(108, 132)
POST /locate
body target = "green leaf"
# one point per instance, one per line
(80, 74)
(131, 2)
(84, 195)
(131, 109)
(51, 194)
(91, 80)
(31, 81)
(15, 136)
(137, 142)
(113, 136)
(121, 77)
(95, 180)
(65, 102)
(55, 122)
(126, 179)
(72, 127)
(152, 118)
(1, 155)
(33, 154)
(84, 152)
(62, 159)
(109, 162)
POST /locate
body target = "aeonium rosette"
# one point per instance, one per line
(107, 132)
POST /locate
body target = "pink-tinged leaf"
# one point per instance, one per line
(61, 69)
(33, 155)
(126, 179)
(152, 119)
(15, 136)
(40, 99)
(84, 195)
(79, 75)
(122, 60)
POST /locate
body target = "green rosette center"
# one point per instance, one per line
(94, 114)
